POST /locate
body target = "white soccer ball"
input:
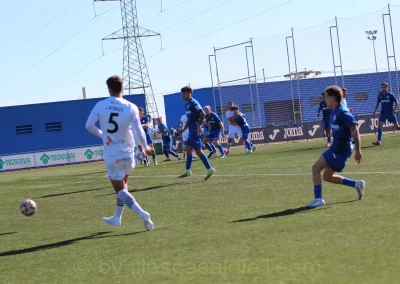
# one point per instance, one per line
(28, 207)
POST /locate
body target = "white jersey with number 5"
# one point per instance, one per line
(118, 117)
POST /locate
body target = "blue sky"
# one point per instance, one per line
(67, 55)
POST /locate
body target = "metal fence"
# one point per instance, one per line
(301, 57)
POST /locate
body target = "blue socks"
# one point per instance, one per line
(154, 157)
(205, 161)
(318, 191)
(173, 153)
(380, 135)
(189, 160)
(248, 146)
(251, 144)
(329, 139)
(208, 146)
(166, 153)
(221, 149)
(213, 148)
(349, 182)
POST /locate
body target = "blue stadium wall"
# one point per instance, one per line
(71, 114)
(366, 86)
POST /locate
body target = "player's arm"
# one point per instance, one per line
(396, 104)
(202, 115)
(91, 125)
(152, 130)
(319, 110)
(357, 142)
(138, 129)
(377, 105)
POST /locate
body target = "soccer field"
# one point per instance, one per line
(245, 225)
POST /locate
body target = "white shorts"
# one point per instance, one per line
(234, 130)
(119, 166)
(185, 135)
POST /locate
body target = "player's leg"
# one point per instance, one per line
(118, 173)
(393, 119)
(166, 152)
(330, 176)
(206, 140)
(173, 153)
(150, 144)
(213, 149)
(317, 180)
(328, 132)
(231, 136)
(220, 148)
(203, 157)
(189, 160)
(382, 120)
(245, 137)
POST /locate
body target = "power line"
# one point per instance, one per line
(170, 8)
(180, 23)
(70, 76)
(82, 29)
(67, 79)
(39, 32)
(236, 23)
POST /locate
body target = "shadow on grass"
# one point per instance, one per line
(92, 173)
(286, 212)
(72, 192)
(343, 202)
(153, 187)
(9, 233)
(99, 235)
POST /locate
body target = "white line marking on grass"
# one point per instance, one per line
(216, 175)
(267, 175)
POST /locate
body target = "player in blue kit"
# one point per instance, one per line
(215, 131)
(145, 121)
(388, 111)
(210, 146)
(195, 116)
(326, 117)
(240, 120)
(345, 132)
(167, 140)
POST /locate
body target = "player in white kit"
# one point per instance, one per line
(234, 129)
(185, 134)
(119, 128)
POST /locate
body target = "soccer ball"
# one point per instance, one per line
(28, 207)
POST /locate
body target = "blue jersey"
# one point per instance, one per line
(341, 120)
(164, 129)
(326, 111)
(387, 100)
(193, 110)
(204, 128)
(145, 120)
(241, 121)
(214, 122)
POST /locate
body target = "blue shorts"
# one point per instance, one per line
(194, 141)
(149, 141)
(389, 117)
(214, 134)
(167, 145)
(245, 132)
(327, 124)
(336, 161)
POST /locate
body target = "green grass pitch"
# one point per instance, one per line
(242, 226)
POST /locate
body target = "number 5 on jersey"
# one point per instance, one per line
(112, 121)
